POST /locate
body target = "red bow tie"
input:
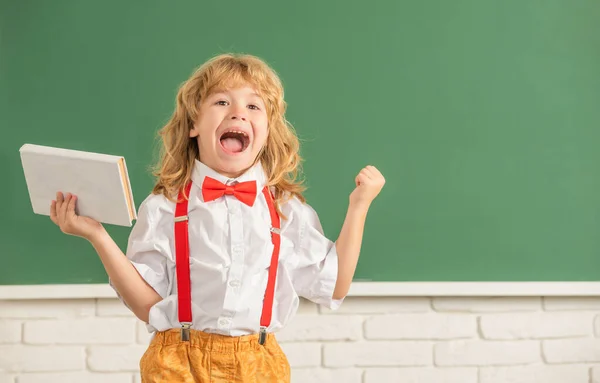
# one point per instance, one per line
(243, 191)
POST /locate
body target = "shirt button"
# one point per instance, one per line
(237, 248)
(234, 283)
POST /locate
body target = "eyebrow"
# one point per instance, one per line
(254, 94)
(225, 91)
(215, 91)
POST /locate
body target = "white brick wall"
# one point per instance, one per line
(368, 340)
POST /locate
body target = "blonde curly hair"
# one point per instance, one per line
(280, 156)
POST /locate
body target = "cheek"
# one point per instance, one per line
(205, 142)
(206, 130)
(201, 133)
(260, 141)
(260, 131)
(261, 137)
(208, 121)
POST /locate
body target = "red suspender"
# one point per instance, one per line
(182, 260)
(267, 310)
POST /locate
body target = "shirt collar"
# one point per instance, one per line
(254, 173)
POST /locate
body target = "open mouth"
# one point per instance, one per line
(235, 141)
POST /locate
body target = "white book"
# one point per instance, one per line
(100, 182)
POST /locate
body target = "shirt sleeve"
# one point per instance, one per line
(313, 269)
(149, 246)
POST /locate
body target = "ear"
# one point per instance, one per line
(194, 132)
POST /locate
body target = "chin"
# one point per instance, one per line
(235, 166)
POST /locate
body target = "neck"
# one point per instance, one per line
(230, 174)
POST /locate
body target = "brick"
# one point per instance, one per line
(380, 305)
(143, 335)
(115, 358)
(571, 350)
(421, 326)
(307, 307)
(322, 327)
(486, 304)
(535, 374)
(421, 375)
(302, 354)
(10, 331)
(19, 358)
(571, 303)
(595, 374)
(75, 377)
(112, 308)
(478, 353)
(48, 308)
(536, 325)
(367, 354)
(322, 375)
(80, 331)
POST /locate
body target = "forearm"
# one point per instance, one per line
(138, 295)
(348, 247)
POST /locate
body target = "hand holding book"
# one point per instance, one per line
(63, 214)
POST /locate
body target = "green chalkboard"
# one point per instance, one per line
(483, 115)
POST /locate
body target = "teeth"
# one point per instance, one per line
(238, 132)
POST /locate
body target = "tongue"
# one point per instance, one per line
(232, 144)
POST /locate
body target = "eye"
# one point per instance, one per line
(253, 107)
(221, 102)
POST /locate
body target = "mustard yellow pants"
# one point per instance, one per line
(212, 358)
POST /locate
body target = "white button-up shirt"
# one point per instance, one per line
(230, 252)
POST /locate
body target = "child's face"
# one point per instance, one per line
(231, 129)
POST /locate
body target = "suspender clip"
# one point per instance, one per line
(181, 218)
(275, 230)
(262, 335)
(185, 332)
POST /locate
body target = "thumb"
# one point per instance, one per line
(360, 179)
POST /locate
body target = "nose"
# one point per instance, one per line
(238, 117)
(239, 114)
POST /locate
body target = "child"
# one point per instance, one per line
(225, 245)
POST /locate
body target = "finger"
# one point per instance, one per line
(63, 208)
(361, 179)
(374, 174)
(71, 207)
(59, 200)
(368, 172)
(53, 216)
(374, 170)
